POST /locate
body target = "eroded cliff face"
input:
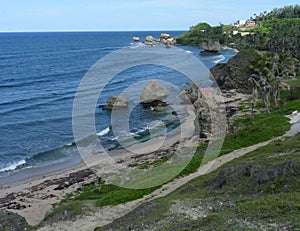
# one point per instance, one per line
(235, 73)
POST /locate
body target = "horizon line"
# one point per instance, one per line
(70, 31)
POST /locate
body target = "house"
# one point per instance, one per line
(238, 24)
(233, 32)
(250, 23)
(241, 22)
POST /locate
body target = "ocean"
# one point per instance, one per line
(39, 77)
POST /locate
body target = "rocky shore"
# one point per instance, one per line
(33, 198)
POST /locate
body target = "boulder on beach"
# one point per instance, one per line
(153, 91)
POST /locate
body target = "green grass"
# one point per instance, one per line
(262, 129)
(246, 203)
(92, 197)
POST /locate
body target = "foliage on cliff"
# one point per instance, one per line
(277, 31)
(201, 32)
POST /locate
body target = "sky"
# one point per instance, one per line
(126, 15)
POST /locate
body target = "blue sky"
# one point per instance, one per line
(116, 15)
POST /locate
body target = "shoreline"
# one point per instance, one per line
(21, 173)
(33, 197)
(69, 163)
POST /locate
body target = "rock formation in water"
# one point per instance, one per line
(153, 94)
(153, 91)
(115, 102)
(165, 39)
(210, 46)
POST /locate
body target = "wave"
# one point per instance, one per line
(13, 166)
(38, 122)
(11, 83)
(55, 52)
(220, 58)
(104, 132)
(137, 45)
(52, 155)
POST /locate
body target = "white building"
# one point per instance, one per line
(241, 22)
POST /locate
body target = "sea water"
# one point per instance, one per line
(39, 77)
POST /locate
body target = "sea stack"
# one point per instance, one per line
(210, 47)
(153, 94)
(136, 39)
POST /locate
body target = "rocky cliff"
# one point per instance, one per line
(235, 73)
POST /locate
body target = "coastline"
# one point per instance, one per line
(230, 48)
(33, 197)
(34, 190)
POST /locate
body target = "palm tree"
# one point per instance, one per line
(266, 89)
(255, 86)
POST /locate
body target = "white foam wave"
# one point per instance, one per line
(104, 132)
(137, 45)
(13, 166)
(220, 58)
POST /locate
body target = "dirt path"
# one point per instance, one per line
(108, 214)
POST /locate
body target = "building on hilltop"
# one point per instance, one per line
(250, 23)
(239, 23)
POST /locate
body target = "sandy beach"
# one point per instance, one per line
(33, 197)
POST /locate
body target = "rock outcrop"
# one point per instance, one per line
(210, 46)
(165, 39)
(203, 117)
(149, 38)
(191, 94)
(164, 36)
(12, 221)
(136, 39)
(153, 91)
(235, 73)
(115, 102)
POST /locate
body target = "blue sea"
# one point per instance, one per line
(39, 77)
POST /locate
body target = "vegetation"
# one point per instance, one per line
(95, 196)
(201, 32)
(92, 197)
(259, 191)
(271, 72)
(277, 31)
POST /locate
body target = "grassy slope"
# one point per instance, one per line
(94, 196)
(264, 127)
(236, 201)
(238, 196)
